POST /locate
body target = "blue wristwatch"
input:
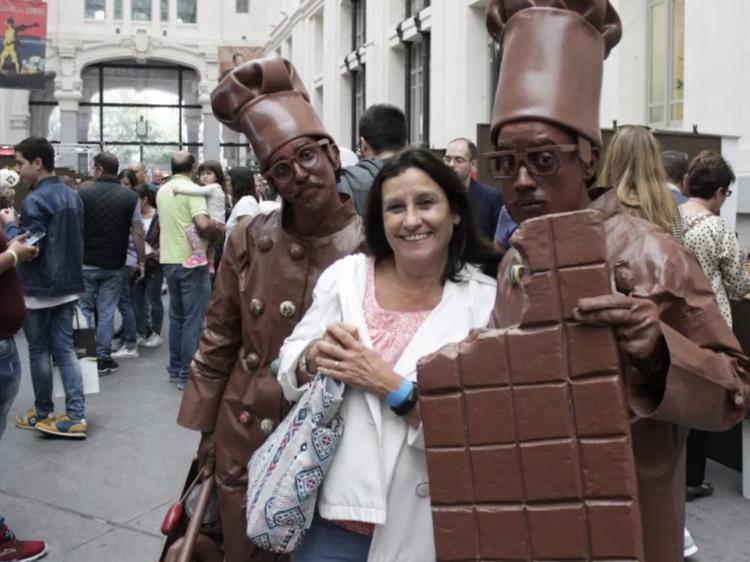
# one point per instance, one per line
(403, 400)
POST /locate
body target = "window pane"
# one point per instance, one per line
(141, 124)
(118, 9)
(417, 87)
(417, 6)
(187, 11)
(243, 6)
(141, 10)
(677, 111)
(164, 9)
(659, 60)
(657, 114)
(159, 157)
(678, 49)
(95, 9)
(360, 37)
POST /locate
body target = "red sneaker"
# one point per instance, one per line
(13, 550)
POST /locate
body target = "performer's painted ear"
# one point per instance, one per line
(591, 165)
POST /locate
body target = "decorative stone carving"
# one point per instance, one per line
(141, 44)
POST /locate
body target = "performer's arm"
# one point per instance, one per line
(691, 370)
(219, 346)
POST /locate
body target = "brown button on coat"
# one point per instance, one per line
(707, 383)
(232, 390)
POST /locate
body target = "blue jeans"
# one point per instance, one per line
(147, 297)
(189, 291)
(125, 306)
(10, 380)
(327, 542)
(49, 331)
(103, 288)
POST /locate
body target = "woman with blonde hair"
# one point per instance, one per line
(634, 168)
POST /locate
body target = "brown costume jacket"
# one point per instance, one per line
(263, 289)
(707, 384)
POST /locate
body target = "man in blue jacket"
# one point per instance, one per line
(461, 155)
(51, 285)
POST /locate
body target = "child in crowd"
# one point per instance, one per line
(212, 188)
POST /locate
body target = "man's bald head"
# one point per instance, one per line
(183, 163)
(139, 170)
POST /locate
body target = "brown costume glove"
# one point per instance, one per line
(207, 454)
(637, 324)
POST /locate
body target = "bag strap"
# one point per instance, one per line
(698, 221)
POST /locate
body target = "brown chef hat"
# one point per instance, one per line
(552, 67)
(267, 102)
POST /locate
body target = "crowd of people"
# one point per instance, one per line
(356, 273)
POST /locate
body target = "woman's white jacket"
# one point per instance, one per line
(379, 473)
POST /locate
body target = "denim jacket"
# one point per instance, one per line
(57, 211)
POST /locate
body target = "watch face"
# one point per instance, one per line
(407, 405)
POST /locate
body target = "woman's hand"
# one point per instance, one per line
(25, 253)
(350, 362)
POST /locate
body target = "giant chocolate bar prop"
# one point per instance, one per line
(527, 429)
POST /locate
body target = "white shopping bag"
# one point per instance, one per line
(89, 375)
(84, 339)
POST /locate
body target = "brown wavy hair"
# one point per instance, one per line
(634, 168)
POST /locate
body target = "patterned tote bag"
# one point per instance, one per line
(286, 473)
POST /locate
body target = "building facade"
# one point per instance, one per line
(134, 76)
(141, 72)
(681, 65)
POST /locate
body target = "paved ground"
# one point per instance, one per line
(103, 500)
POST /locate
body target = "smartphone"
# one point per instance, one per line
(34, 238)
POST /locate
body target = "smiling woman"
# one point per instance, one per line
(417, 194)
(373, 317)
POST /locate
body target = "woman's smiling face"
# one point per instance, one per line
(417, 218)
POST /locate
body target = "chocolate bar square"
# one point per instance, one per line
(582, 340)
(534, 242)
(543, 412)
(502, 533)
(490, 416)
(578, 238)
(456, 537)
(484, 360)
(606, 466)
(615, 530)
(450, 477)
(443, 420)
(558, 532)
(542, 301)
(551, 471)
(582, 282)
(596, 402)
(496, 474)
(537, 355)
(442, 375)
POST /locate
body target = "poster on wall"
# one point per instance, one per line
(233, 57)
(23, 27)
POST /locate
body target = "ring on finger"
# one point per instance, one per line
(336, 366)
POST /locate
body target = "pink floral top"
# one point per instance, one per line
(390, 332)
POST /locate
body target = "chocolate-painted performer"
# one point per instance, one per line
(265, 282)
(683, 366)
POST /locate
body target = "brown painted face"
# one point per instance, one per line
(550, 179)
(303, 172)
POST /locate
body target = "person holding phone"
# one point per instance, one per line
(12, 315)
(51, 285)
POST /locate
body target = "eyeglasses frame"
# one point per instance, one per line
(319, 145)
(522, 157)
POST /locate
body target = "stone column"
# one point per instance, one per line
(19, 117)
(68, 101)
(211, 134)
